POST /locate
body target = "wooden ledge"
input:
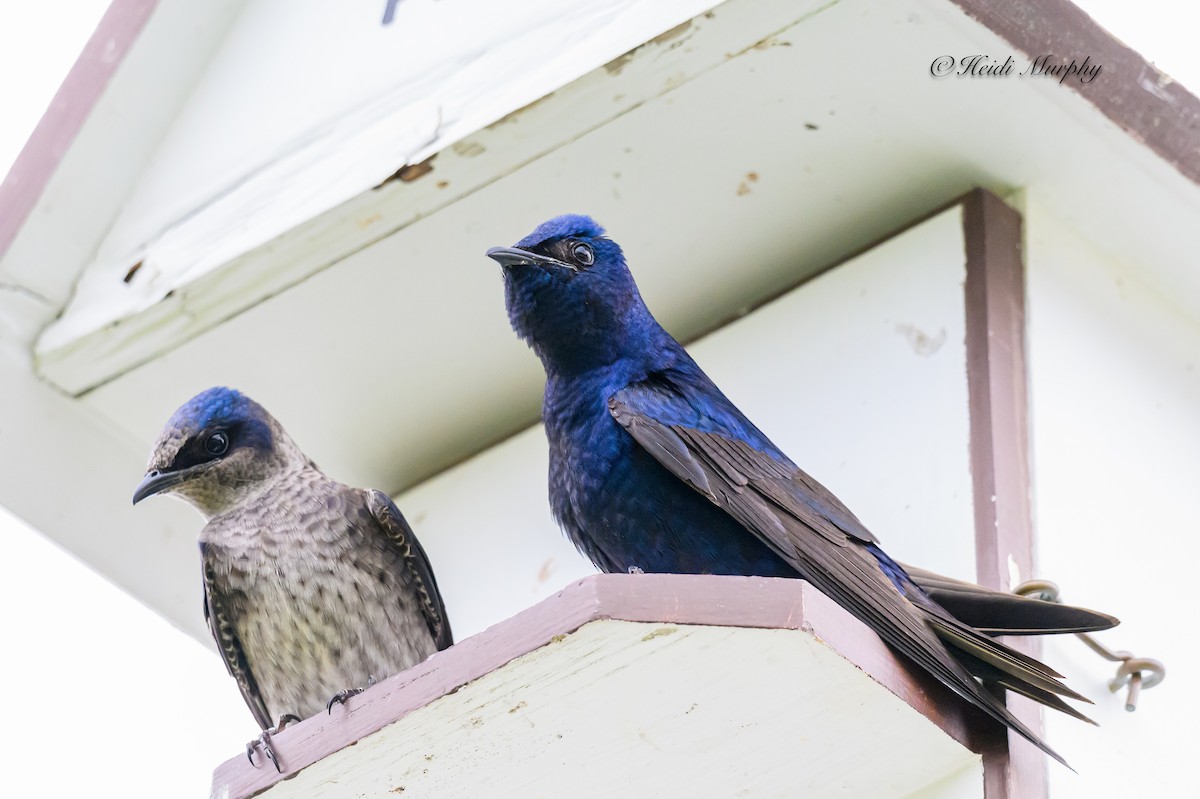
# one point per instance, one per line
(709, 603)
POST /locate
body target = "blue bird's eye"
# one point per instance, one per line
(582, 254)
(216, 444)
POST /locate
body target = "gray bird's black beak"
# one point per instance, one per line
(156, 482)
(511, 256)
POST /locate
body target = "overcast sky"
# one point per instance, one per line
(100, 690)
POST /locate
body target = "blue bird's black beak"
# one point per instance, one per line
(512, 256)
(156, 482)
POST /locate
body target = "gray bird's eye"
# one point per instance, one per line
(583, 255)
(216, 444)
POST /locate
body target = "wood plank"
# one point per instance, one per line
(995, 301)
(112, 40)
(734, 602)
(344, 190)
(1138, 98)
(653, 709)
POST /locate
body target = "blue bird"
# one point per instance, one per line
(653, 469)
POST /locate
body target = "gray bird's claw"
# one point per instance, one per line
(264, 741)
(341, 696)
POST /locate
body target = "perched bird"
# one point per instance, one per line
(310, 586)
(653, 469)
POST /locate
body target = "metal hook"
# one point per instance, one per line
(1132, 672)
(1136, 673)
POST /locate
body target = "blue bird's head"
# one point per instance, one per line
(217, 449)
(571, 297)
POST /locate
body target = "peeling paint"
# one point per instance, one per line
(468, 148)
(759, 45)
(659, 633)
(769, 42)
(513, 116)
(615, 66)
(409, 172)
(1156, 82)
(744, 187)
(133, 270)
(672, 34)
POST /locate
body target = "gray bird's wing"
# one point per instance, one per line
(216, 613)
(404, 542)
(773, 500)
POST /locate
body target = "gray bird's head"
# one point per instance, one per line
(219, 449)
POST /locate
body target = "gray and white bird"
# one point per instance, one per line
(311, 587)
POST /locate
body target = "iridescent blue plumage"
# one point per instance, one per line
(562, 227)
(653, 468)
(225, 408)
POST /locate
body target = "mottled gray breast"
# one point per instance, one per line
(313, 592)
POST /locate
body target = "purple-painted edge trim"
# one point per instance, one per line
(994, 295)
(1139, 99)
(58, 128)
(756, 602)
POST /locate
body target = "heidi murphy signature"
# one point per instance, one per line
(1044, 66)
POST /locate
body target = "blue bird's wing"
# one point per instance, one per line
(220, 624)
(690, 401)
(701, 438)
(403, 541)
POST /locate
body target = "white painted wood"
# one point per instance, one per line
(1114, 362)
(104, 165)
(311, 134)
(66, 470)
(820, 194)
(646, 710)
(859, 375)
(963, 783)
